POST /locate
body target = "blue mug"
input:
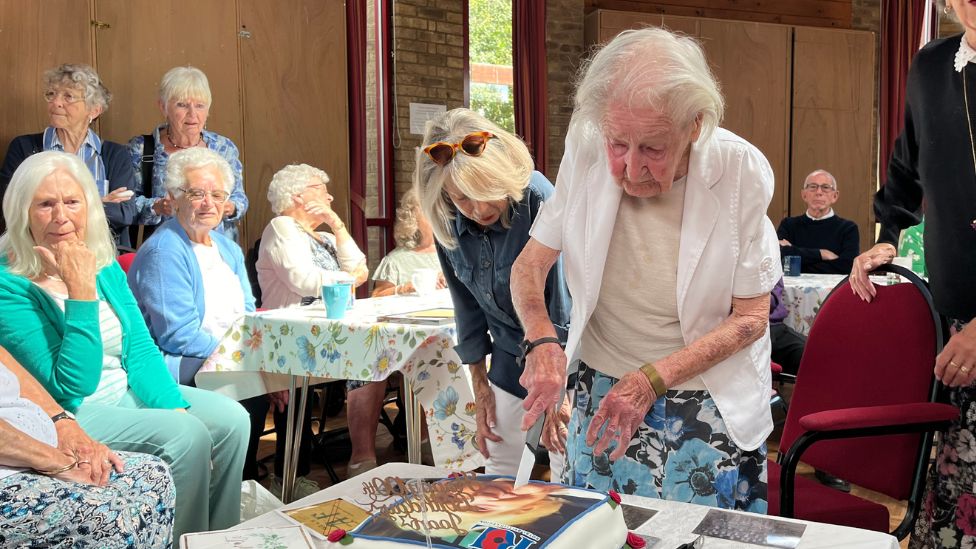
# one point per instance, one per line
(791, 265)
(336, 299)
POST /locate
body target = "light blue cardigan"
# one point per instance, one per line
(166, 281)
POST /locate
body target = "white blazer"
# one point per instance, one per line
(728, 247)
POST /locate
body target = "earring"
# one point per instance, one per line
(90, 120)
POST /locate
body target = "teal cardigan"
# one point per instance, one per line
(63, 349)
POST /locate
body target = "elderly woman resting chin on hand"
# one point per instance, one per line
(70, 319)
(670, 283)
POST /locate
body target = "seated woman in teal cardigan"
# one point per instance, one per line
(70, 319)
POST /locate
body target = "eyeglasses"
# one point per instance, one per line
(197, 195)
(68, 97)
(813, 186)
(473, 144)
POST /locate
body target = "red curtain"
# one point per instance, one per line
(901, 31)
(529, 59)
(356, 63)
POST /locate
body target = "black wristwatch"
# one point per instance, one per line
(63, 414)
(526, 346)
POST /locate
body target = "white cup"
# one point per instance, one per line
(424, 281)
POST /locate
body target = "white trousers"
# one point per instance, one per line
(505, 455)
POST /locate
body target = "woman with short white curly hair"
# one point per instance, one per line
(75, 97)
(294, 262)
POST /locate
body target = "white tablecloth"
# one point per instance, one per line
(672, 524)
(803, 296)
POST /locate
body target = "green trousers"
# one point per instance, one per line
(204, 448)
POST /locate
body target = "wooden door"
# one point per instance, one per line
(752, 63)
(34, 37)
(834, 121)
(139, 40)
(294, 81)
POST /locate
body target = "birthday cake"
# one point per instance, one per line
(485, 513)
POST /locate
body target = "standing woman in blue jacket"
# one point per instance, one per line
(75, 97)
(478, 188)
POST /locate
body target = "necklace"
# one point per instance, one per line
(969, 124)
(169, 140)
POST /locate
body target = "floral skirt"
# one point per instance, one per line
(682, 452)
(948, 517)
(135, 509)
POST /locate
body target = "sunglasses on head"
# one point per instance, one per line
(473, 144)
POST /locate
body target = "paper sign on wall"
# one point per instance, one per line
(420, 113)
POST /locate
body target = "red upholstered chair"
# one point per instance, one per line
(864, 407)
(125, 260)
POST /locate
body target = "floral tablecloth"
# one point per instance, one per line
(262, 350)
(803, 296)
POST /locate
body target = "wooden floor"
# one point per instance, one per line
(386, 452)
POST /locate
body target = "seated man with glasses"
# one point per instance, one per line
(825, 242)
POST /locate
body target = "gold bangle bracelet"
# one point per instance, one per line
(655, 378)
(59, 470)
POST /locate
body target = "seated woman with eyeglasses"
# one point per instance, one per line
(188, 278)
(477, 187)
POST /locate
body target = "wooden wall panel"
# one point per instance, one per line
(816, 13)
(27, 53)
(294, 79)
(752, 63)
(834, 126)
(145, 39)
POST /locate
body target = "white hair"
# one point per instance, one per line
(79, 75)
(290, 181)
(184, 83)
(650, 68)
(830, 176)
(502, 171)
(192, 159)
(17, 243)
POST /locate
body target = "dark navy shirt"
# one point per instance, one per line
(478, 273)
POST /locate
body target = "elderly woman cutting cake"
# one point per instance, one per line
(660, 218)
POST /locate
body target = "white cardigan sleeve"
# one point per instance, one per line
(284, 248)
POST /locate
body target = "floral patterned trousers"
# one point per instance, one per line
(681, 452)
(948, 518)
(135, 509)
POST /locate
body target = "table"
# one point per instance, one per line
(672, 524)
(803, 296)
(266, 351)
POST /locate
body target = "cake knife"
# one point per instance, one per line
(532, 443)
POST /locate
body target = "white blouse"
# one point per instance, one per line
(286, 270)
(223, 298)
(23, 415)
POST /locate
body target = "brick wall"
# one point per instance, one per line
(564, 51)
(429, 69)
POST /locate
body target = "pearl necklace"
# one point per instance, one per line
(169, 140)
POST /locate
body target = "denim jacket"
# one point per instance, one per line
(478, 273)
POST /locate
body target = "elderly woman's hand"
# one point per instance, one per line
(229, 208)
(163, 206)
(544, 378)
(868, 261)
(621, 411)
(121, 194)
(73, 440)
(75, 264)
(484, 398)
(554, 430)
(956, 364)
